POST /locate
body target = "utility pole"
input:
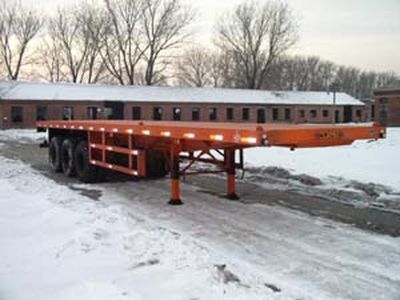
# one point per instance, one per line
(334, 87)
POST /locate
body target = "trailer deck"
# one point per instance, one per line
(154, 148)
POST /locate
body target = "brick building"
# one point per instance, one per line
(23, 103)
(369, 109)
(387, 105)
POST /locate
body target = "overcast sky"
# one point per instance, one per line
(363, 33)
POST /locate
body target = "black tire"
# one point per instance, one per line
(55, 154)
(85, 171)
(68, 157)
(156, 164)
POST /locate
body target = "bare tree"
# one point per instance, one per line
(347, 79)
(311, 73)
(326, 73)
(256, 35)
(92, 20)
(18, 27)
(77, 29)
(122, 39)
(65, 29)
(195, 67)
(49, 58)
(165, 25)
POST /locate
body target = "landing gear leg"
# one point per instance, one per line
(175, 183)
(231, 172)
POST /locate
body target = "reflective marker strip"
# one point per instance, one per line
(217, 137)
(189, 135)
(249, 140)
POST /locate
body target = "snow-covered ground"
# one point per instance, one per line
(58, 244)
(376, 162)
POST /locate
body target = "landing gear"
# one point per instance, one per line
(175, 184)
(231, 172)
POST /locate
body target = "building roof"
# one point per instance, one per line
(394, 87)
(21, 90)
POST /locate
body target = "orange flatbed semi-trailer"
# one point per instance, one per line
(154, 148)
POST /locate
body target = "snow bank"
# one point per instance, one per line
(22, 135)
(376, 162)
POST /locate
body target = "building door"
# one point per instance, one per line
(347, 114)
(261, 115)
(336, 116)
(383, 111)
(114, 109)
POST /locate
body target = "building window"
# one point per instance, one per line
(136, 113)
(212, 114)
(325, 113)
(358, 113)
(92, 112)
(176, 113)
(313, 113)
(195, 113)
(17, 114)
(229, 113)
(68, 113)
(288, 113)
(275, 114)
(245, 114)
(384, 100)
(157, 113)
(302, 113)
(108, 113)
(41, 113)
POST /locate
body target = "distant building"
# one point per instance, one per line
(387, 105)
(23, 103)
(369, 109)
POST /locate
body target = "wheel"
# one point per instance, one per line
(86, 172)
(55, 154)
(67, 157)
(156, 164)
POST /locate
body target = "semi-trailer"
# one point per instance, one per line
(152, 149)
